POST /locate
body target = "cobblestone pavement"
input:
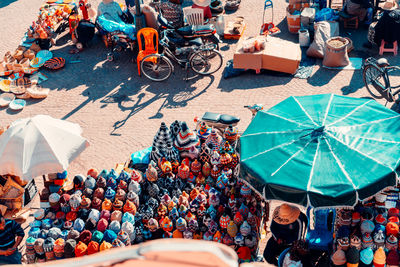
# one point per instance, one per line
(120, 111)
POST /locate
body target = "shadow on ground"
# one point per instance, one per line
(4, 3)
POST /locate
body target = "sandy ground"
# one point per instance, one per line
(120, 112)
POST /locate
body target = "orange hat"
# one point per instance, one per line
(129, 207)
(184, 194)
(93, 247)
(167, 224)
(177, 234)
(107, 205)
(217, 237)
(80, 249)
(105, 246)
(379, 258)
(392, 229)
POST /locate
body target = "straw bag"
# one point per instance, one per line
(336, 52)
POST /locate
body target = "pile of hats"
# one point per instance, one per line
(368, 235)
(189, 190)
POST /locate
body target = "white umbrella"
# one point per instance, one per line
(39, 145)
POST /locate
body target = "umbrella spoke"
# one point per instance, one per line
(270, 149)
(327, 109)
(277, 132)
(359, 152)
(283, 118)
(350, 113)
(340, 164)
(305, 112)
(367, 123)
(292, 157)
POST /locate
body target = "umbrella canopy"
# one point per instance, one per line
(322, 150)
(39, 145)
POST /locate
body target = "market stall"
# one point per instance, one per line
(188, 189)
(329, 152)
(33, 147)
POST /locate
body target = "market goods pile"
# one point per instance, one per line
(189, 190)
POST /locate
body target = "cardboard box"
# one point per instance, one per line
(243, 60)
(281, 55)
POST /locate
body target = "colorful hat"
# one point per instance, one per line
(367, 226)
(109, 194)
(393, 212)
(105, 246)
(69, 248)
(208, 236)
(124, 176)
(285, 214)
(187, 234)
(132, 196)
(96, 203)
(355, 218)
(73, 234)
(48, 246)
(239, 239)
(75, 201)
(93, 248)
(367, 240)
(90, 182)
(102, 225)
(54, 233)
(394, 219)
(379, 239)
(136, 176)
(186, 138)
(85, 203)
(391, 243)
(124, 238)
(118, 204)
(238, 218)
(79, 180)
(115, 226)
(355, 242)
(80, 249)
(181, 224)
(167, 224)
(339, 258)
(101, 182)
(392, 258)
(134, 186)
(59, 248)
(380, 219)
(128, 227)
(177, 234)
(366, 256)
(128, 217)
(106, 205)
(392, 229)
(109, 235)
(68, 225)
(245, 229)
(353, 255)
(97, 236)
(193, 225)
(94, 214)
(379, 258)
(117, 243)
(93, 173)
(116, 216)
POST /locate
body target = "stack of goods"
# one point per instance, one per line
(53, 184)
(189, 190)
(11, 193)
(368, 235)
(254, 44)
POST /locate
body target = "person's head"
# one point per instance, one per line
(2, 222)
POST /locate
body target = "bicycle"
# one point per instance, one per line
(376, 79)
(200, 58)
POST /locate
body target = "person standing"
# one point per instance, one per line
(11, 235)
(288, 225)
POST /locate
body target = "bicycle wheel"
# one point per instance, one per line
(206, 62)
(156, 67)
(374, 81)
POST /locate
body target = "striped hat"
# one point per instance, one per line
(391, 243)
(59, 248)
(124, 237)
(355, 242)
(186, 138)
(367, 241)
(355, 218)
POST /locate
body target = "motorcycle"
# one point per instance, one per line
(206, 32)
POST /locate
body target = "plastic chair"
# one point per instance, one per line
(282, 257)
(383, 49)
(193, 16)
(321, 237)
(150, 45)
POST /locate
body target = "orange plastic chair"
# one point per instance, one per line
(149, 46)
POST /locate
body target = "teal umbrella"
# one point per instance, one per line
(322, 150)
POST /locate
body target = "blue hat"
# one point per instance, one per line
(43, 233)
(34, 232)
(90, 182)
(64, 234)
(115, 226)
(112, 174)
(124, 176)
(109, 236)
(128, 217)
(109, 194)
(79, 224)
(54, 233)
(47, 223)
(112, 183)
(36, 223)
(366, 255)
(103, 173)
(62, 175)
(379, 227)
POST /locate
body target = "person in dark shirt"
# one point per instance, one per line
(288, 225)
(11, 235)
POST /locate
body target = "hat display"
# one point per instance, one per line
(186, 138)
(85, 236)
(392, 258)
(97, 236)
(355, 242)
(79, 224)
(339, 258)
(109, 236)
(379, 239)
(367, 226)
(69, 248)
(102, 225)
(392, 229)
(115, 226)
(391, 243)
(105, 246)
(59, 248)
(80, 249)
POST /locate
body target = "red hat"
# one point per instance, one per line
(85, 236)
(392, 229)
(71, 216)
(244, 253)
(102, 225)
(393, 212)
(394, 219)
(60, 215)
(80, 249)
(93, 247)
(93, 173)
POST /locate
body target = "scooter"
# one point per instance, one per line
(205, 32)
